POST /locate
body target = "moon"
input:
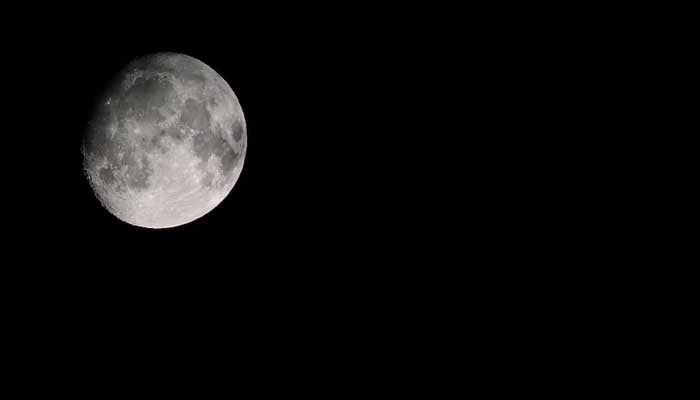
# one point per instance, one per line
(166, 142)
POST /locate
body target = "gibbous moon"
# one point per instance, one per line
(166, 143)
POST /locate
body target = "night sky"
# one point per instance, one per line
(413, 174)
(328, 248)
(332, 192)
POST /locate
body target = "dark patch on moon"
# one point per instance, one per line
(208, 178)
(195, 115)
(229, 160)
(153, 116)
(144, 97)
(174, 132)
(137, 178)
(148, 144)
(237, 129)
(137, 174)
(107, 175)
(206, 144)
(159, 144)
(201, 146)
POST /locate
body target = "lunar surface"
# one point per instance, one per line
(166, 142)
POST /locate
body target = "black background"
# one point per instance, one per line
(338, 244)
(328, 249)
(329, 213)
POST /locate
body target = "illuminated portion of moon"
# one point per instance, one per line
(166, 143)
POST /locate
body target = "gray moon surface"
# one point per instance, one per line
(166, 142)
